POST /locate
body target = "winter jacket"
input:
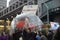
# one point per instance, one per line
(43, 37)
(38, 37)
(4, 37)
(29, 36)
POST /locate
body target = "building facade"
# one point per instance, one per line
(3, 4)
(12, 1)
(46, 7)
(50, 11)
(32, 2)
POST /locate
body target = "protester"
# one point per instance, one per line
(28, 35)
(50, 35)
(4, 36)
(57, 35)
(17, 35)
(38, 36)
(43, 37)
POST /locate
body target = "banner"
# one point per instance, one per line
(54, 25)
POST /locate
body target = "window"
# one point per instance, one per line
(16, 4)
(13, 6)
(20, 3)
(0, 14)
(10, 8)
(7, 10)
(25, 1)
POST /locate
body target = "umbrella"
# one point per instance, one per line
(33, 20)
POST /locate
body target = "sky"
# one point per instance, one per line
(8, 3)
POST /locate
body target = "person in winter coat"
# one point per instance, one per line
(50, 35)
(43, 37)
(27, 35)
(4, 36)
(57, 35)
(17, 35)
(38, 36)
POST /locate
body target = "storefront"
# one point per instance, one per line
(4, 25)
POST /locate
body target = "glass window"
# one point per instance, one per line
(7, 10)
(20, 3)
(10, 8)
(2, 13)
(44, 9)
(16, 4)
(25, 1)
(13, 6)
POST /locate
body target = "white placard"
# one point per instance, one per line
(54, 25)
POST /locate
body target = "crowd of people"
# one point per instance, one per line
(27, 34)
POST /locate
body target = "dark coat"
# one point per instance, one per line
(43, 37)
(4, 37)
(29, 36)
(17, 35)
(57, 35)
(50, 36)
(38, 37)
